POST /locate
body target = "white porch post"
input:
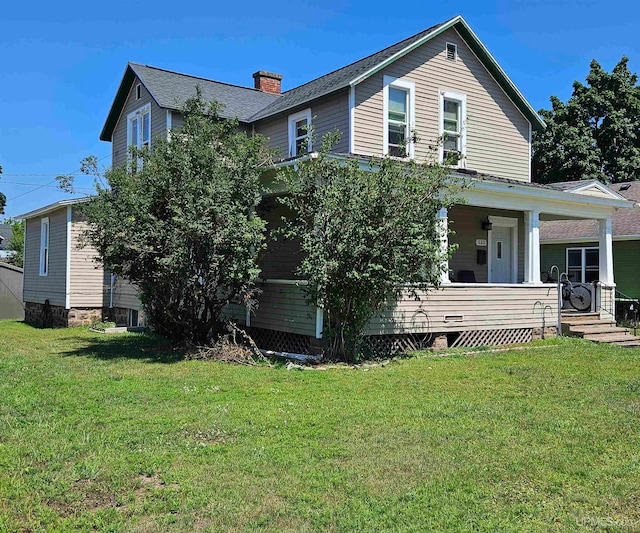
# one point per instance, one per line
(606, 251)
(532, 247)
(443, 230)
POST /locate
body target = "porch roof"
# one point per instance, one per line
(503, 193)
(486, 190)
(625, 223)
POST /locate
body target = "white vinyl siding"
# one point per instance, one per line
(86, 278)
(493, 307)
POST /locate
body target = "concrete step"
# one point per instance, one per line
(579, 318)
(634, 342)
(610, 337)
(595, 322)
(596, 329)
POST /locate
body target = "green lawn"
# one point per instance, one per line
(113, 433)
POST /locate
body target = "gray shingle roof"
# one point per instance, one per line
(625, 221)
(338, 79)
(172, 89)
(568, 185)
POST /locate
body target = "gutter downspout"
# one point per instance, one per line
(112, 280)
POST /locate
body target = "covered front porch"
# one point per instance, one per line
(491, 291)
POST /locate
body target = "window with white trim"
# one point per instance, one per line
(453, 118)
(300, 133)
(583, 264)
(44, 246)
(139, 127)
(399, 111)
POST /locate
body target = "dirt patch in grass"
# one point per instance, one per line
(83, 495)
(151, 482)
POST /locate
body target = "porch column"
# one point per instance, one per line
(532, 247)
(443, 230)
(606, 251)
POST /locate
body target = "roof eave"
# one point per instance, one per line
(51, 207)
(118, 103)
(289, 110)
(121, 99)
(584, 239)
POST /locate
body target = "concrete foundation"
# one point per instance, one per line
(537, 333)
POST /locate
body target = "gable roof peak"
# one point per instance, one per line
(358, 71)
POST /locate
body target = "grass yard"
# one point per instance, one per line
(112, 433)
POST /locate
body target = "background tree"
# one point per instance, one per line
(596, 134)
(365, 234)
(16, 243)
(181, 227)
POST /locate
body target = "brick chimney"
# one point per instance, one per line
(267, 82)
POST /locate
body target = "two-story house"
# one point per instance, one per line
(444, 84)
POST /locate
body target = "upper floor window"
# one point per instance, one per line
(583, 264)
(44, 246)
(453, 114)
(139, 127)
(300, 133)
(399, 106)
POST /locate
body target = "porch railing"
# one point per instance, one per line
(605, 299)
(623, 308)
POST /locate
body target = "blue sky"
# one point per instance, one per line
(61, 62)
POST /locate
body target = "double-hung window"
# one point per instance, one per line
(44, 246)
(453, 113)
(583, 264)
(399, 105)
(300, 133)
(139, 128)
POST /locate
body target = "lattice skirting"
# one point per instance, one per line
(389, 345)
(280, 341)
(493, 337)
(386, 345)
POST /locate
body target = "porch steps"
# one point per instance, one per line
(634, 343)
(593, 331)
(591, 326)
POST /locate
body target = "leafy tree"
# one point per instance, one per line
(180, 226)
(16, 244)
(365, 234)
(596, 134)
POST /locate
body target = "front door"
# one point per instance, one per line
(501, 267)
